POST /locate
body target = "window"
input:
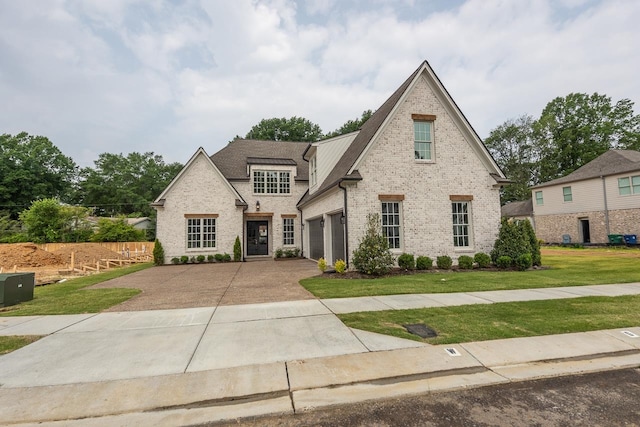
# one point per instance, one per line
(460, 213)
(271, 182)
(566, 193)
(391, 223)
(423, 140)
(629, 185)
(539, 200)
(201, 233)
(287, 231)
(313, 173)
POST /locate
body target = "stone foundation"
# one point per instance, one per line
(551, 228)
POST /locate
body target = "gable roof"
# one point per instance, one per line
(344, 168)
(523, 208)
(612, 162)
(232, 160)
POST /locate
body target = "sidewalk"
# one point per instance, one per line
(188, 366)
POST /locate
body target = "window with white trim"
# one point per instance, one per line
(461, 224)
(566, 194)
(423, 140)
(629, 185)
(201, 233)
(313, 172)
(271, 182)
(391, 223)
(539, 199)
(287, 231)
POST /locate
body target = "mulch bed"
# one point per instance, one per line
(402, 272)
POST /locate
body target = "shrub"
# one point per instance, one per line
(200, 258)
(465, 262)
(175, 260)
(226, 257)
(158, 253)
(524, 262)
(444, 262)
(424, 263)
(372, 255)
(210, 258)
(279, 253)
(483, 260)
(237, 250)
(534, 243)
(117, 230)
(218, 257)
(322, 265)
(504, 262)
(340, 266)
(192, 260)
(296, 252)
(184, 259)
(288, 253)
(511, 242)
(406, 261)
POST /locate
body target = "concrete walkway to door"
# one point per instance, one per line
(215, 284)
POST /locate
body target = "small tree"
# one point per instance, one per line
(158, 253)
(237, 250)
(530, 235)
(511, 242)
(110, 230)
(372, 255)
(47, 221)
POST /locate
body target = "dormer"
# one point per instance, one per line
(323, 156)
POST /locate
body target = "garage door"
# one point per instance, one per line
(337, 238)
(316, 239)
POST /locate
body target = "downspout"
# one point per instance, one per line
(301, 233)
(606, 208)
(346, 224)
(244, 245)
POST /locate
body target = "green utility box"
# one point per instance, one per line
(16, 288)
(616, 239)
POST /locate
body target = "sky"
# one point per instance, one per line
(119, 76)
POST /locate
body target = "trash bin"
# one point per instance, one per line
(16, 288)
(631, 239)
(616, 239)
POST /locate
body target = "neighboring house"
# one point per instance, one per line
(142, 223)
(598, 199)
(518, 210)
(416, 162)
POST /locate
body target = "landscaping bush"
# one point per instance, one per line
(504, 262)
(444, 262)
(184, 259)
(512, 241)
(340, 266)
(483, 260)
(192, 260)
(218, 257)
(424, 263)
(465, 262)
(210, 258)
(226, 257)
(296, 252)
(237, 250)
(406, 261)
(288, 253)
(372, 255)
(322, 265)
(524, 262)
(175, 260)
(534, 243)
(158, 253)
(279, 253)
(200, 258)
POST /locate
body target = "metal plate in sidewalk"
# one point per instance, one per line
(421, 330)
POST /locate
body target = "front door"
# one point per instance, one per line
(257, 238)
(586, 235)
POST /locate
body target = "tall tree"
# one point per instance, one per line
(296, 129)
(351, 125)
(48, 220)
(513, 147)
(576, 129)
(120, 185)
(32, 168)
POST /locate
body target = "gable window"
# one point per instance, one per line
(423, 140)
(461, 224)
(271, 182)
(566, 194)
(629, 185)
(287, 231)
(391, 223)
(313, 173)
(201, 233)
(539, 200)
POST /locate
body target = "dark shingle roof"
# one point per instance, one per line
(232, 160)
(524, 208)
(610, 163)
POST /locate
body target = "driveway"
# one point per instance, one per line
(216, 284)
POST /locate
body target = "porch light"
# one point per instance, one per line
(257, 205)
(322, 223)
(342, 219)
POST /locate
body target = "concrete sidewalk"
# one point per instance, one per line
(188, 366)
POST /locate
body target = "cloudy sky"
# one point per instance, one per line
(118, 76)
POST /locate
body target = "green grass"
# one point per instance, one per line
(70, 297)
(504, 320)
(583, 268)
(9, 344)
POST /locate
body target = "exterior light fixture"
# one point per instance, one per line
(257, 205)
(342, 219)
(322, 223)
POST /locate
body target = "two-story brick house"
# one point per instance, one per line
(417, 162)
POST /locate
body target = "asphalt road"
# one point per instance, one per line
(602, 399)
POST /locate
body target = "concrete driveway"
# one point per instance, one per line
(216, 284)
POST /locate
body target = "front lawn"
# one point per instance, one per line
(70, 297)
(483, 322)
(567, 267)
(9, 344)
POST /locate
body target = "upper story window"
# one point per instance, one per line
(313, 172)
(271, 182)
(423, 140)
(566, 194)
(629, 185)
(539, 199)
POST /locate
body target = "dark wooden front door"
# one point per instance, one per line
(257, 238)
